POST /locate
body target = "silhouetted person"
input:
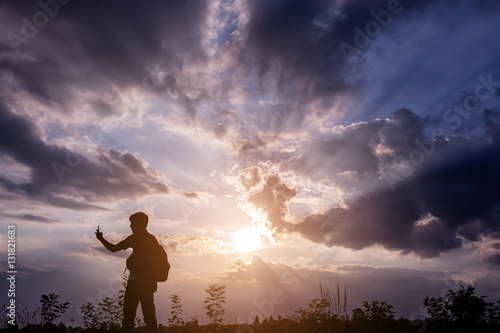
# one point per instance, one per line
(140, 285)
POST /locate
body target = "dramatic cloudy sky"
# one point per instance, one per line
(275, 144)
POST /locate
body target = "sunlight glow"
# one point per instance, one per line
(247, 240)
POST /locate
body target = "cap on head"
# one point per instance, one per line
(139, 219)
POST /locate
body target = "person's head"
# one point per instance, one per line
(138, 221)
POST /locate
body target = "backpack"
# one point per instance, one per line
(155, 264)
(161, 265)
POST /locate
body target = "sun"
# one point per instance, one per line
(247, 240)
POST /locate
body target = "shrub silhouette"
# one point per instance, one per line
(456, 311)
(462, 309)
(52, 308)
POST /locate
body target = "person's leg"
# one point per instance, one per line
(130, 302)
(148, 308)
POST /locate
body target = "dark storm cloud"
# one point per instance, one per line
(109, 46)
(451, 195)
(296, 44)
(336, 157)
(492, 253)
(100, 46)
(387, 218)
(65, 178)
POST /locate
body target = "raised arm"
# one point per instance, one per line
(111, 247)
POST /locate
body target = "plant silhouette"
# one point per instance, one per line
(458, 311)
(214, 301)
